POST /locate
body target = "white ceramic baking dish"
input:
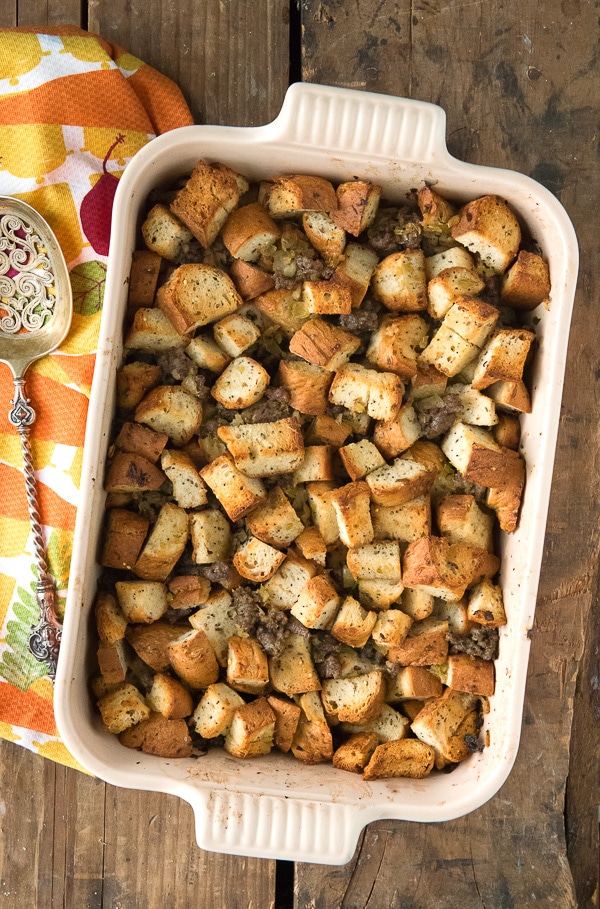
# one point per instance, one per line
(275, 807)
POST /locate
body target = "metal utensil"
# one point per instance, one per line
(36, 307)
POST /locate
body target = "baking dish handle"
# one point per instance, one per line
(345, 120)
(265, 826)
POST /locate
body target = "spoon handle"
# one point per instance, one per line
(44, 641)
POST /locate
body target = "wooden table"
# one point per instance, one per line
(520, 84)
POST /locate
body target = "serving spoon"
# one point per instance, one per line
(36, 307)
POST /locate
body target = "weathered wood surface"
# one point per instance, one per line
(520, 87)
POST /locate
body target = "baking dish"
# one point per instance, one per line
(276, 807)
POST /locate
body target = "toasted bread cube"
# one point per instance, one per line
(378, 561)
(207, 198)
(406, 757)
(446, 569)
(441, 721)
(327, 431)
(193, 659)
(472, 319)
(257, 561)
(460, 518)
(151, 643)
(252, 730)
(170, 409)
(505, 500)
(143, 278)
(448, 352)
(503, 358)
(392, 437)
(433, 207)
(241, 384)
(196, 295)
(323, 344)
(357, 202)
(165, 544)
(285, 308)
(324, 234)
(455, 257)
(361, 458)
(288, 195)
(354, 754)
(400, 283)
(353, 624)
(307, 385)
(486, 604)
(142, 601)
(379, 595)
(235, 334)
(477, 409)
(293, 671)
(456, 614)
(326, 298)
(189, 490)
(207, 354)
(475, 454)
(322, 510)
(426, 453)
(123, 707)
(512, 397)
(398, 483)
(237, 493)
(489, 229)
(527, 282)
(449, 284)
(249, 231)
(472, 674)
(263, 449)
(129, 473)
(151, 332)
(140, 440)
(112, 662)
(360, 389)
(391, 628)
(354, 700)
(352, 506)
(217, 620)
(402, 522)
(312, 546)
(396, 344)
(250, 280)
(286, 585)
(211, 536)
(424, 645)
(318, 603)
(165, 234)
(316, 465)
(355, 271)
(169, 698)
(274, 521)
(427, 381)
(214, 714)
(133, 381)
(389, 725)
(418, 604)
(287, 716)
(124, 537)
(111, 624)
(247, 666)
(312, 742)
(413, 682)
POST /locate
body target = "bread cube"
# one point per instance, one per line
(378, 561)
(327, 431)
(433, 207)
(505, 500)
(249, 231)
(354, 754)
(445, 569)
(455, 257)
(442, 720)
(512, 397)
(152, 332)
(357, 203)
(486, 604)
(318, 603)
(472, 319)
(283, 589)
(527, 282)
(170, 409)
(142, 601)
(250, 280)
(274, 521)
(196, 295)
(257, 561)
(165, 234)
(264, 449)
(477, 409)
(235, 334)
(204, 203)
(322, 510)
(323, 344)
(396, 344)
(312, 742)
(449, 284)
(488, 228)
(355, 271)
(324, 234)
(130, 473)
(316, 465)
(407, 758)
(360, 389)
(360, 458)
(391, 628)
(165, 544)
(448, 352)
(472, 674)
(151, 643)
(123, 707)
(123, 539)
(112, 662)
(241, 384)
(353, 624)
(424, 645)
(214, 714)
(413, 682)
(207, 354)
(400, 283)
(307, 385)
(237, 493)
(169, 698)
(389, 725)
(293, 671)
(133, 381)
(456, 614)
(503, 358)
(352, 506)
(326, 298)
(285, 308)
(193, 659)
(137, 439)
(311, 545)
(405, 522)
(143, 278)
(287, 716)
(427, 381)
(189, 490)
(211, 536)
(379, 595)
(398, 483)
(354, 700)
(475, 454)
(392, 437)
(216, 618)
(417, 603)
(288, 195)
(252, 730)
(461, 520)
(111, 624)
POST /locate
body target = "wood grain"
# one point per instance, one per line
(40, 12)
(230, 59)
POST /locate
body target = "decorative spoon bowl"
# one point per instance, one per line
(36, 307)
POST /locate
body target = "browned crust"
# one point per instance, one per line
(527, 282)
(250, 281)
(125, 535)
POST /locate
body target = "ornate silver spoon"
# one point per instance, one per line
(36, 307)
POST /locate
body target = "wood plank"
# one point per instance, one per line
(48, 12)
(230, 59)
(8, 14)
(516, 93)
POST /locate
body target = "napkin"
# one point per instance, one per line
(73, 111)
